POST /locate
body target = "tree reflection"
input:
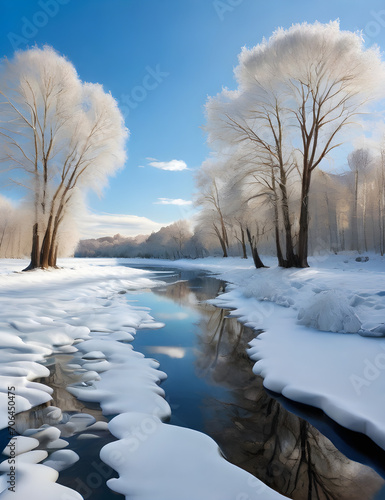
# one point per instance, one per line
(192, 292)
(255, 432)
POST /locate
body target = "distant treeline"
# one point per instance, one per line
(171, 242)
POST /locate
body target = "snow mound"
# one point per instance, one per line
(25, 478)
(179, 463)
(379, 331)
(329, 311)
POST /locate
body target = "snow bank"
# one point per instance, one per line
(179, 464)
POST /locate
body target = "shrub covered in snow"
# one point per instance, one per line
(270, 287)
(329, 311)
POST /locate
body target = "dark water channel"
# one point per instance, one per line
(211, 388)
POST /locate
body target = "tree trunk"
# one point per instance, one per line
(243, 243)
(364, 215)
(291, 258)
(254, 252)
(224, 247)
(303, 237)
(46, 245)
(35, 253)
(221, 241)
(332, 222)
(55, 255)
(381, 194)
(53, 249)
(381, 227)
(354, 243)
(224, 232)
(281, 261)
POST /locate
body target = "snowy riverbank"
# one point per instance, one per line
(82, 309)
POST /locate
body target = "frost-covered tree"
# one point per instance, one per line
(210, 185)
(6, 221)
(16, 221)
(297, 93)
(59, 136)
(236, 213)
(358, 161)
(254, 120)
(180, 234)
(380, 184)
(327, 192)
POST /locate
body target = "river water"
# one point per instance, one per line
(211, 388)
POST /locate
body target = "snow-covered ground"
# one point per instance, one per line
(82, 309)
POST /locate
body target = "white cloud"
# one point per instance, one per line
(94, 225)
(173, 165)
(172, 201)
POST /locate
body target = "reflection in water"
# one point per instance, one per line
(192, 288)
(61, 375)
(171, 351)
(253, 430)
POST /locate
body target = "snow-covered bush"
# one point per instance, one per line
(270, 288)
(329, 311)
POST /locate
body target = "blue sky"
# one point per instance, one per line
(161, 59)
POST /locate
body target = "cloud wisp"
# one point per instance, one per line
(172, 201)
(171, 166)
(95, 225)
